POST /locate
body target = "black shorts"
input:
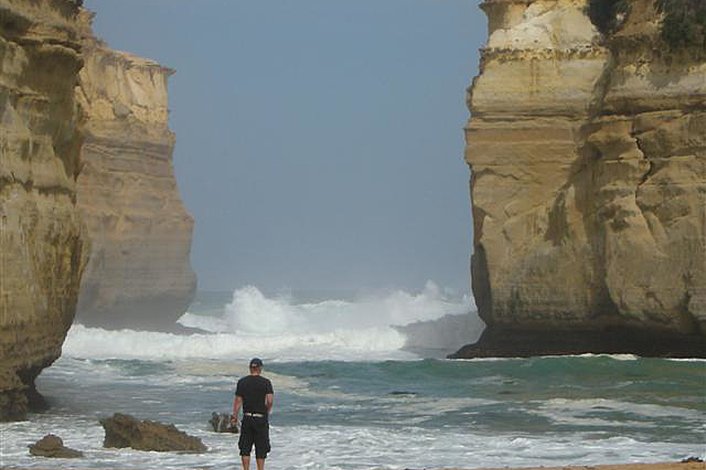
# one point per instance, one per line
(256, 431)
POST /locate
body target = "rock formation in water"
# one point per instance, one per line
(126, 431)
(139, 274)
(588, 187)
(52, 446)
(41, 242)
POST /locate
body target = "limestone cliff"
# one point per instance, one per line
(139, 273)
(69, 106)
(588, 187)
(41, 241)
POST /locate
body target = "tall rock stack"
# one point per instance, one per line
(139, 274)
(41, 241)
(85, 173)
(588, 158)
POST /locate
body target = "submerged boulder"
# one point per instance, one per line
(126, 431)
(52, 446)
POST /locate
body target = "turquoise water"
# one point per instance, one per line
(378, 407)
(389, 414)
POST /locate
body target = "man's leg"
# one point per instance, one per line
(245, 442)
(262, 443)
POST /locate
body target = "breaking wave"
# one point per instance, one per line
(281, 329)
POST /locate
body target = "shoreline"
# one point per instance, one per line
(624, 466)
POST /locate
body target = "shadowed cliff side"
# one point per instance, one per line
(588, 158)
(41, 241)
(139, 274)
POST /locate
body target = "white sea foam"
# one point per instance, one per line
(252, 312)
(615, 357)
(349, 447)
(598, 411)
(363, 344)
(279, 329)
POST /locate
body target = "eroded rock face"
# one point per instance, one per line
(41, 242)
(139, 274)
(588, 158)
(112, 129)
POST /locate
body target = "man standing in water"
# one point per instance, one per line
(255, 395)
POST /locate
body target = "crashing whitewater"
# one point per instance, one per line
(372, 327)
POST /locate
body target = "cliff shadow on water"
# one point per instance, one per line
(438, 338)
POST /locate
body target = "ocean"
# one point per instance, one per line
(353, 390)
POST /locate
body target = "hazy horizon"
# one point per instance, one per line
(319, 144)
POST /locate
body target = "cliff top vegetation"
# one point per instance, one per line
(683, 21)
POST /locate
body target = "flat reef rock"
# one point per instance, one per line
(588, 186)
(126, 431)
(42, 245)
(139, 274)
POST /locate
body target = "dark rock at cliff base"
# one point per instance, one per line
(126, 431)
(496, 342)
(52, 446)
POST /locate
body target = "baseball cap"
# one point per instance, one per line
(255, 362)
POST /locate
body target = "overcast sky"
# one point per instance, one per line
(319, 142)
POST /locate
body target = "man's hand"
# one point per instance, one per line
(237, 403)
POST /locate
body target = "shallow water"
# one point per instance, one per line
(376, 406)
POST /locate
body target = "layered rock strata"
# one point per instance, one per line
(588, 187)
(41, 241)
(139, 274)
(70, 106)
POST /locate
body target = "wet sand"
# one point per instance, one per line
(629, 466)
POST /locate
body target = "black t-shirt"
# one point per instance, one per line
(252, 389)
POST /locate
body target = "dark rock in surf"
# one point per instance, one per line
(126, 431)
(222, 423)
(53, 447)
(497, 342)
(402, 393)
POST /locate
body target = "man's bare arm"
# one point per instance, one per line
(237, 403)
(269, 402)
